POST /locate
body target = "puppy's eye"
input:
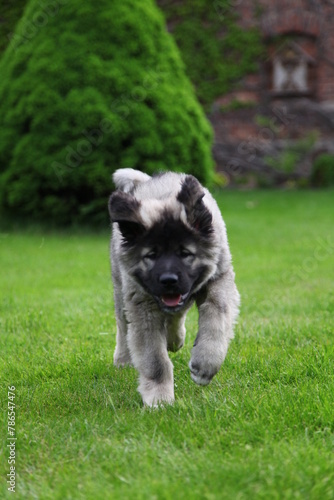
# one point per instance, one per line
(152, 255)
(184, 253)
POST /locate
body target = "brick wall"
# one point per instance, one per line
(309, 22)
(272, 121)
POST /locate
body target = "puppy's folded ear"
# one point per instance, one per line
(124, 209)
(198, 215)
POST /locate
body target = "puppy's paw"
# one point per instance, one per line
(199, 374)
(205, 362)
(122, 359)
(174, 347)
(159, 400)
(154, 394)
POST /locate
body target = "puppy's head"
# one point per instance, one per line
(165, 242)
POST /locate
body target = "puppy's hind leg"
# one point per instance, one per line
(122, 355)
(176, 332)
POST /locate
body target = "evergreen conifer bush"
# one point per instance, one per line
(87, 88)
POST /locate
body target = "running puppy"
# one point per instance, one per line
(168, 249)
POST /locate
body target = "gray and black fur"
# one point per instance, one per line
(169, 249)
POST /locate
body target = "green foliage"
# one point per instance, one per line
(236, 104)
(266, 121)
(10, 13)
(86, 90)
(216, 50)
(323, 171)
(219, 180)
(288, 160)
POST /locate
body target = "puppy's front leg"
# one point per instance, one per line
(218, 305)
(147, 341)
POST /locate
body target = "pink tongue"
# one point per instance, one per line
(171, 300)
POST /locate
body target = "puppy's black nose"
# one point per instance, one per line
(168, 279)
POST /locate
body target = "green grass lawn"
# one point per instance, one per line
(262, 429)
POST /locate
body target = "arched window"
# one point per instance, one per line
(292, 71)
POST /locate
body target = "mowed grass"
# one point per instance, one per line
(262, 429)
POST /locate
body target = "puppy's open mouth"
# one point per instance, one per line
(173, 300)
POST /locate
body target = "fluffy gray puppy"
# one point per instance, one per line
(168, 249)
